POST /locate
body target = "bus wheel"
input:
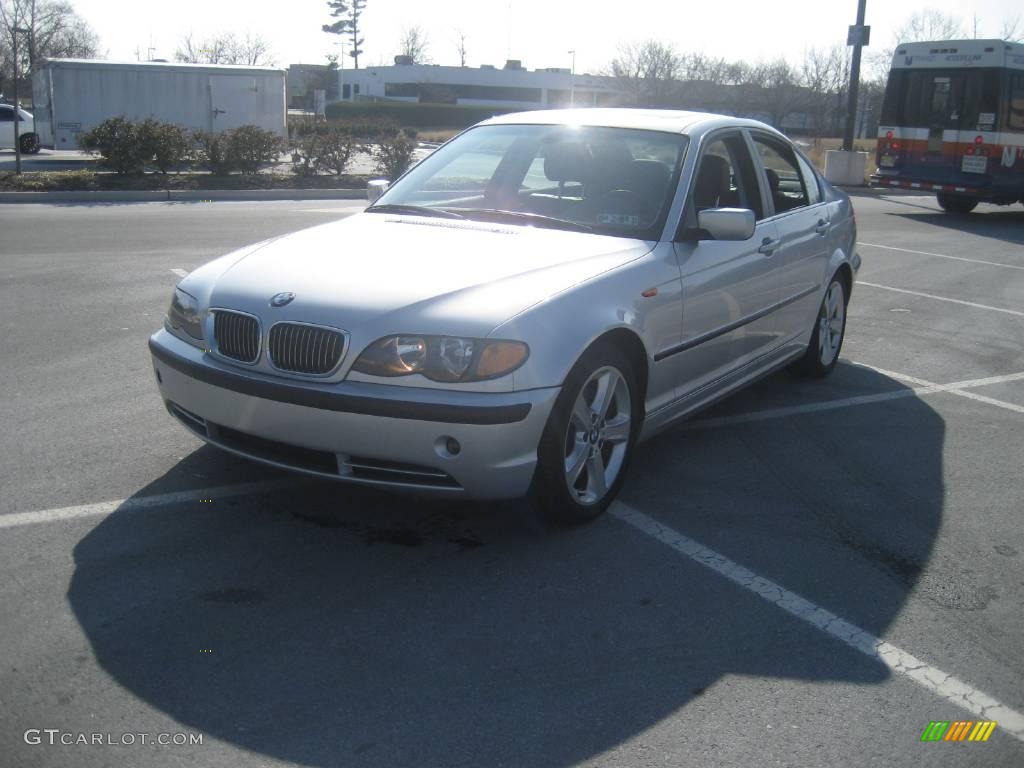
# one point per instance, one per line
(956, 203)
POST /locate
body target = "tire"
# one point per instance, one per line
(955, 203)
(829, 331)
(29, 144)
(581, 466)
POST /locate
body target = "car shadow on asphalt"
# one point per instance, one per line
(330, 625)
(1003, 223)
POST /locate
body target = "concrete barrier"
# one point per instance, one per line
(83, 196)
(190, 195)
(845, 169)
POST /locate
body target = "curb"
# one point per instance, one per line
(183, 195)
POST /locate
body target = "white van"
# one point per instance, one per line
(26, 130)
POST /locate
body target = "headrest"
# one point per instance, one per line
(648, 176)
(568, 161)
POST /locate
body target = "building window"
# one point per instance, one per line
(346, 91)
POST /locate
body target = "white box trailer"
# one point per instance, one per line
(73, 95)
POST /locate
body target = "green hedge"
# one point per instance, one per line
(414, 115)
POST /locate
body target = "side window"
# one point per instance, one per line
(785, 186)
(810, 181)
(725, 178)
(6, 115)
(1017, 101)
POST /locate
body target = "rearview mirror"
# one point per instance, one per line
(376, 188)
(727, 223)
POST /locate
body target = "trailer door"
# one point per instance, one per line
(235, 100)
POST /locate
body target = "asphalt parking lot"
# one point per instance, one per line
(808, 574)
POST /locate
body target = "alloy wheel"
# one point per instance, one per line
(598, 435)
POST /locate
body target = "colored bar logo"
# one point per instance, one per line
(958, 730)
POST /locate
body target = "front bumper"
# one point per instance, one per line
(366, 433)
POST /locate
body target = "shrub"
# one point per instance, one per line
(251, 147)
(325, 147)
(119, 143)
(165, 145)
(212, 152)
(393, 151)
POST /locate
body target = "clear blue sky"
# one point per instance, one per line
(540, 32)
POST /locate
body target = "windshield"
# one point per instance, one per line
(611, 181)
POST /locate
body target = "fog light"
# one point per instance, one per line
(452, 446)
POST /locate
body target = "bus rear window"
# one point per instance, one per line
(954, 99)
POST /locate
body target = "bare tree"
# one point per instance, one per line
(416, 45)
(460, 46)
(824, 75)
(54, 31)
(252, 50)
(930, 24)
(649, 71)
(347, 13)
(1011, 31)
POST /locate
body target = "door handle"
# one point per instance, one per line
(768, 246)
(822, 227)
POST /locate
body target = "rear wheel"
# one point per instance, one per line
(29, 143)
(956, 203)
(589, 437)
(829, 331)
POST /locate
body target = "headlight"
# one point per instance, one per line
(441, 358)
(183, 314)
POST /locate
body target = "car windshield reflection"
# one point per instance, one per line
(611, 181)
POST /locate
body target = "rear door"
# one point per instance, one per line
(235, 100)
(802, 218)
(729, 288)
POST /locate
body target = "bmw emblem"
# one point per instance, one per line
(281, 299)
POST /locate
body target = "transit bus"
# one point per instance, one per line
(952, 122)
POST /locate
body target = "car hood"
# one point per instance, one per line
(385, 273)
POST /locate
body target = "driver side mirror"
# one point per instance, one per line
(727, 223)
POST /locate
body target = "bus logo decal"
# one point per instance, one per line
(1010, 155)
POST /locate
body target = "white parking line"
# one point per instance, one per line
(959, 387)
(140, 502)
(953, 690)
(179, 272)
(942, 298)
(921, 388)
(943, 256)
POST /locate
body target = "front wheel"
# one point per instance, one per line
(955, 203)
(588, 440)
(829, 331)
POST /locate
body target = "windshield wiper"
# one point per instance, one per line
(531, 218)
(416, 210)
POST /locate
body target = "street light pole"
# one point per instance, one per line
(858, 43)
(572, 82)
(15, 31)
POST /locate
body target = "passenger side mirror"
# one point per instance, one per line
(376, 188)
(727, 223)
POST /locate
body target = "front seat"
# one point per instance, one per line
(713, 189)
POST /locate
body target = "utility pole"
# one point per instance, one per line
(858, 37)
(572, 82)
(15, 31)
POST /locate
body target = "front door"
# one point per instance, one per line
(6, 127)
(729, 289)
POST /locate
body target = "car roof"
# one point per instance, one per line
(667, 120)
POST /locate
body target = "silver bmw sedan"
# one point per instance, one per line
(515, 313)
